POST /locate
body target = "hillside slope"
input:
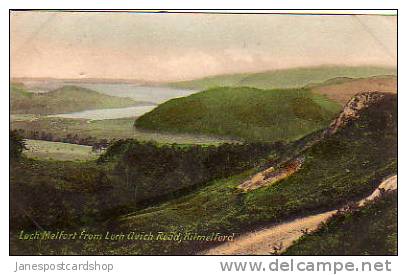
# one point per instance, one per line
(341, 90)
(350, 160)
(346, 165)
(277, 238)
(368, 230)
(248, 113)
(63, 100)
(285, 78)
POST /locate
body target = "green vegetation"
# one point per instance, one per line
(368, 230)
(109, 129)
(58, 194)
(248, 113)
(144, 171)
(16, 146)
(151, 171)
(64, 100)
(128, 176)
(286, 78)
(338, 170)
(43, 149)
(150, 187)
(342, 80)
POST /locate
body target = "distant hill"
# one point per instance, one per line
(342, 89)
(248, 113)
(286, 78)
(63, 100)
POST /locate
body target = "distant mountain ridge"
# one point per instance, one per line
(285, 78)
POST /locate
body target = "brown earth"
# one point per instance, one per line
(271, 176)
(345, 89)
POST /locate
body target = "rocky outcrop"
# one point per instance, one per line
(352, 110)
(271, 175)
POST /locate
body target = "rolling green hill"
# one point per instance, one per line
(63, 100)
(286, 78)
(248, 113)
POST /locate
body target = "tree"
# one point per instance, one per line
(17, 145)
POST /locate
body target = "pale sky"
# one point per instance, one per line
(169, 47)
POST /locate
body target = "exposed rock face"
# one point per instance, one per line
(352, 110)
(271, 176)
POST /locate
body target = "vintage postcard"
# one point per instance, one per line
(203, 133)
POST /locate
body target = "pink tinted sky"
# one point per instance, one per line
(169, 47)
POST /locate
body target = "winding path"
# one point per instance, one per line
(263, 242)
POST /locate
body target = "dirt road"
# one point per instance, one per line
(264, 241)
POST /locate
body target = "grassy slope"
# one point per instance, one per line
(64, 100)
(120, 128)
(248, 113)
(58, 150)
(339, 169)
(370, 230)
(287, 78)
(343, 167)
